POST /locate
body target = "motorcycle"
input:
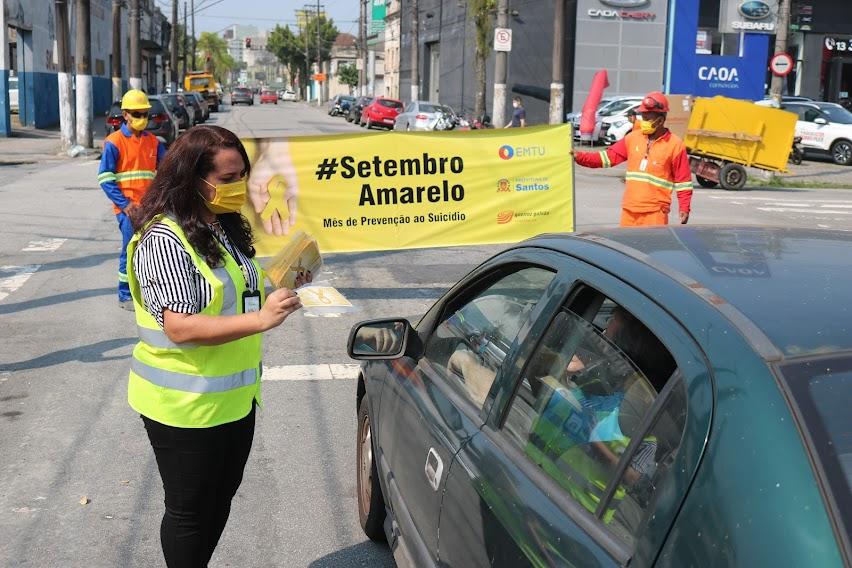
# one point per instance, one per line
(797, 154)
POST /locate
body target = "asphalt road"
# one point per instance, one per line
(67, 436)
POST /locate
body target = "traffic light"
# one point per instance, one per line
(248, 43)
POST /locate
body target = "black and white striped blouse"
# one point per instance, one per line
(169, 279)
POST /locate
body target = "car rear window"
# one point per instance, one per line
(428, 108)
(390, 104)
(242, 91)
(822, 390)
(156, 107)
(268, 93)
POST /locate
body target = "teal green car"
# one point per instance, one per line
(666, 397)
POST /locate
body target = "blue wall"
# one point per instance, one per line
(689, 73)
(101, 95)
(42, 99)
(5, 125)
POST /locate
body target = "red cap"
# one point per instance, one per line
(654, 102)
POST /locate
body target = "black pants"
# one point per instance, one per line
(201, 469)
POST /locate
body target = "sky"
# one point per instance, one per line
(216, 15)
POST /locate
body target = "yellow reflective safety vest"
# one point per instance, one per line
(189, 385)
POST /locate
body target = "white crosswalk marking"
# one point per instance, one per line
(321, 372)
(46, 245)
(13, 277)
(799, 210)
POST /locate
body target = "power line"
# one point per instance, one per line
(279, 20)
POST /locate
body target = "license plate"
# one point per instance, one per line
(388, 120)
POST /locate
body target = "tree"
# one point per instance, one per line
(483, 20)
(210, 47)
(348, 75)
(290, 51)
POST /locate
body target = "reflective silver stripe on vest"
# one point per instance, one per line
(158, 338)
(193, 383)
(229, 292)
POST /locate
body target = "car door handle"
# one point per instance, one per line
(434, 469)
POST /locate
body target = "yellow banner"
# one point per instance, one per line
(363, 192)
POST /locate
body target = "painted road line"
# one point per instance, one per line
(46, 245)
(777, 199)
(320, 372)
(818, 212)
(13, 277)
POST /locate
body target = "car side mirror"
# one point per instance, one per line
(821, 121)
(383, 339)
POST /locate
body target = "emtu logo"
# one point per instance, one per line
(506, 152)
(504, 217)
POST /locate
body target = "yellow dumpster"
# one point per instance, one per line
(725, 135)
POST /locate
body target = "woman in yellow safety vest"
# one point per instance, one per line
(200, 310)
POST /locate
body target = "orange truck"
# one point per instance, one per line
(204, 83)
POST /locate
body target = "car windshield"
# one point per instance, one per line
(428, 108)
(199, 82)
(822, 390)
(617, 107)
(347, 99)
(837, 113)
(390, 104)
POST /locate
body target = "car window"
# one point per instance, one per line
(836, 113)
(584, 396)
(822, 390)
(810, 114)
(390, 104)
(798, 109)
(469, 345)
(428, 108)
(409, 107)
(156, 106)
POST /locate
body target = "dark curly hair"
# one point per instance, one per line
(176, 191)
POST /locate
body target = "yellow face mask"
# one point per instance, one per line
(229, 197)
(138, 124)
(648, 127)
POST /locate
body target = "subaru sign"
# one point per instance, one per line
(759, 16)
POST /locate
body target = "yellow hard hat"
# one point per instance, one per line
(134, 99)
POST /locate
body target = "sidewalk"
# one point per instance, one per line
(33, 145)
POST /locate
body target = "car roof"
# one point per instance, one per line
(791, 284)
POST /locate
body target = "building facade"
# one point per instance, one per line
(392, 46)
(29, 53)
(344, 52)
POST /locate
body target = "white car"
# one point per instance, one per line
(825, 128)
(288, 95)
(615, 127)
(612, 107)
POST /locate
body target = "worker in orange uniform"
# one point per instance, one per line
(657, 164)
(128, 165)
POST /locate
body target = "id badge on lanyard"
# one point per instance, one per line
(251, 301)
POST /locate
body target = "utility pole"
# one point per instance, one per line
(319, 56)
(185, 47)
(557, 87)
(192, 11)
(777, 84)
(66, 108)
(116, 49)
(415, 50)
(173, 59)
(135, 46)
(498, 112)
(83, 60)
(362, 45)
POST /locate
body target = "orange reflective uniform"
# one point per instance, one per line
(135, 163)
(655, 168)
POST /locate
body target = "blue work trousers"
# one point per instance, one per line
(126, 234)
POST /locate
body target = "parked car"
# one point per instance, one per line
(418, 115)
(616, 126)
(624, 397)
(242, 96)
(267, 96)
(608, 107)
(161, 122)
(355, 109)
(289, 95)
(339, 105)
(825, 128)
(381, 112)
(196, 108)
(13, 94)
(205, 106)
(178, 105)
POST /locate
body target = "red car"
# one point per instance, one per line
(381, 112)
(268, 97)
